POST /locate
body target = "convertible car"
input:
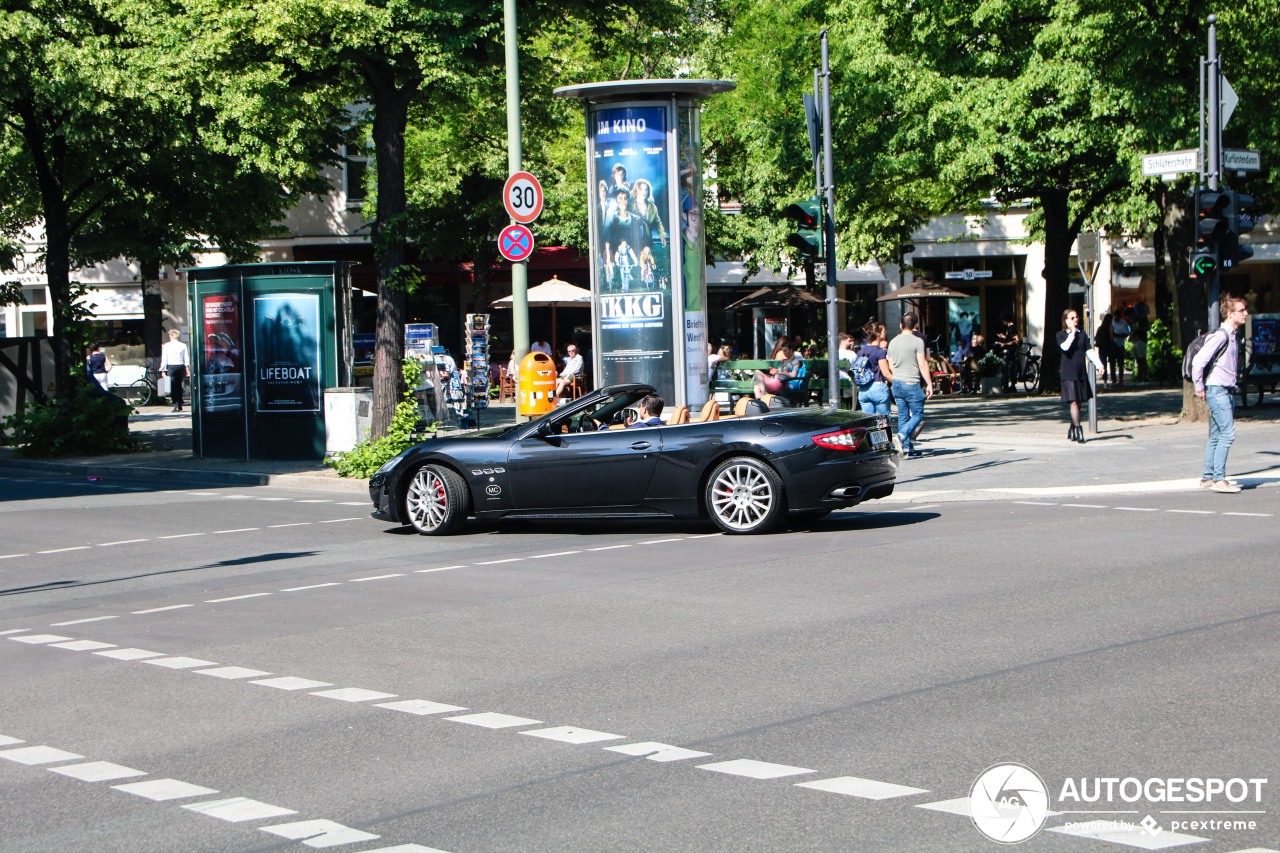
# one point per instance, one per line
(746, 473)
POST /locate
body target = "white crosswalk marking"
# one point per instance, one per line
(231, 672)
(754, 769)
(160, 790)
(82, 645)
(36, 639)
(238, 809)
(289, 682)
(33, 755)
(491, 720)
(319, 833)
(420, 706)
(180, 662)
(1137, 836)
(130, 654)
(98, 771)
(867, 789)
(657, 751)
(571, 734)
(353, 694)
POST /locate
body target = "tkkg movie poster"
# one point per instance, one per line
(286, 336)
(632, 244)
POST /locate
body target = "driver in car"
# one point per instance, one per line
(650, 412)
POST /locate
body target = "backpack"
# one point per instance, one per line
(862, 371)
(1194, 347)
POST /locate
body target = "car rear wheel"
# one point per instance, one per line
(437, 502)
(744, 495)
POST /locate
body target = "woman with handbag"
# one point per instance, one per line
(1073, 370)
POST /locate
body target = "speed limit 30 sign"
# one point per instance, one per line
(522, 197)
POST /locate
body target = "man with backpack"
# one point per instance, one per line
(1213, 370)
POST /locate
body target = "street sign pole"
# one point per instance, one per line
(1088, 257)
(1213, 162)
(515, 156)
(829, 229)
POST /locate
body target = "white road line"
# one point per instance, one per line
(316, 501)
(62, 550)
(704, 536)
(1086, 506)
(353, 503)
(421, 707)
(83, 645)
(11, 556)
(237, 597)
(496, 562)
(98, 771)
(754, 769)
(5, 740)
(273, 499)
(122, 542)
(1136, 509)
(35, 639)
(556, 554)
(14, 631)
(237, 530)
(1193, 511)
(237, 497)
(33, 755)
(319, 833)
(1106, 830)
(161, 609)
(611, 547)
(179, 662)
(294, 524)
(867, 789)
(662, 541)
(82, 621)
(182, 535)
(958, 806)
(130, 654)
(657, 751)
(232, 672)
(491, 720)
(197, 494)
(336, 520)
(353, 694)
(159, 790)
(1033, 503)
(312, 586)
(376, 578)
(571, 734)
(238, 809)
(441, 569)
(290, 682)
(1250, 514)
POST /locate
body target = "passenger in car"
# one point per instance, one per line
(650, 412)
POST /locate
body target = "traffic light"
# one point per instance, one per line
(807, 216)
(1239, 221)
(1211, 225)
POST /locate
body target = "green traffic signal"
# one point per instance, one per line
(1203, 264)
(807, 216)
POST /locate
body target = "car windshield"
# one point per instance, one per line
(607, 411)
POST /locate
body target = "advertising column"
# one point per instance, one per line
(648, 247)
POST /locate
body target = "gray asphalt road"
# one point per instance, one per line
(262, 668)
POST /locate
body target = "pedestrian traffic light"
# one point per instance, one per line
(807, 216)
(1239, 222)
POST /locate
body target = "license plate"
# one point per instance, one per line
(879, 437)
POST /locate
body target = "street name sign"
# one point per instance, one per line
(522, 196)
(1241, 160)
(1170, 163)
(515, 243)
(968, 275)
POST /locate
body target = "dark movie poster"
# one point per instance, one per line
(222, 374)
(632, 245)
(286, 338)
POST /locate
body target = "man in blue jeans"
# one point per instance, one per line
(1214, 370)
(912, 382)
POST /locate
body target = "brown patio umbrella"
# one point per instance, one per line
(787, 296)
(552, 293)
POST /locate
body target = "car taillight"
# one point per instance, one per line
(845, 439)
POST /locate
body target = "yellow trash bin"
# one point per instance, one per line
(536, 394)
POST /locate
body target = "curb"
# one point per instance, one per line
(190, 475)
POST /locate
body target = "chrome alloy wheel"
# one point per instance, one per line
(744, 496)
(427, 501)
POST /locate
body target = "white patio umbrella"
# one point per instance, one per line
(552, 294)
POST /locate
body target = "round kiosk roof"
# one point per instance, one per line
(626, 90)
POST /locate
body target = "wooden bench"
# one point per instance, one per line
(736, 379)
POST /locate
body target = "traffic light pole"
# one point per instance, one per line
(829, 234)
(1213, 159)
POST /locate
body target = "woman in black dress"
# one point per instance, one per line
(1076, 351)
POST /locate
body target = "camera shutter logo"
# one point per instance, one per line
(1009, 803)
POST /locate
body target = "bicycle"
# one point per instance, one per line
(1027, 368)
(141, 391)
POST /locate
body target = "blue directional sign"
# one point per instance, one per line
(515, 243)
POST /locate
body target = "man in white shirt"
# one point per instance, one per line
(572, 368)
(174, 359)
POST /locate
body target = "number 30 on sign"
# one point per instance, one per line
(522, 197)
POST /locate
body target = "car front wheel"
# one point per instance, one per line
(437, 502)
(744, 495)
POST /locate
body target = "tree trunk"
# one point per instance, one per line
(57, 262)
(391, 111)
(152, 312)
(1058, 238)
(1191, 294)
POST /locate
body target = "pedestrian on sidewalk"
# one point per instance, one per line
(1105, 339)
(912, 383)
(1214, 372)
(99, 365)
(874, 398)
(174, 359)
(1073, 369)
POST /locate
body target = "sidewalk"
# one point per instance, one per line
(974, 448)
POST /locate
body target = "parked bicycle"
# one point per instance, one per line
(139, 392)
(1026, 368)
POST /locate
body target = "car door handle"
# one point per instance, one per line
(640, 445)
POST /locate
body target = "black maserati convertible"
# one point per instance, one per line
(746, 473)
